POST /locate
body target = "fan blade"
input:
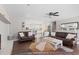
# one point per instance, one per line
(50, 13)
(56, 13)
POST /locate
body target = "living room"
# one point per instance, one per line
(45, 29)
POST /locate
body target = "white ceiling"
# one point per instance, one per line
(38, 11)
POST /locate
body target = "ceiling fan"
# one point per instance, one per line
(53, 13)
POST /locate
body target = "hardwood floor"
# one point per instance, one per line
(23, 49)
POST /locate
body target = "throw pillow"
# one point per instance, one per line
(53, 33)
(21, 34)
(30, 33)
(70, 36)
(46, 33)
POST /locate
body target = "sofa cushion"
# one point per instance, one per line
(21, 34)
(26, 34)
(46, 33)
(61, 34)
(58, 38)
(30, 33)
(70, 36)
(53, 33)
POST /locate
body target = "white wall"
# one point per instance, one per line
(4, 30)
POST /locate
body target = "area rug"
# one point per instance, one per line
(20, 48)
(23, 49)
